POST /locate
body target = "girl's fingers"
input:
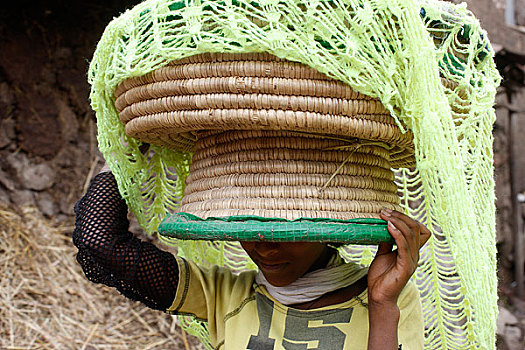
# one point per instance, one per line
(423, 232)
(403, 248)
(410, 232)
(416, 233)
(413, 225)
(406, 261)
(425, 235)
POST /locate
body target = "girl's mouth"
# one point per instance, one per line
(272, 267)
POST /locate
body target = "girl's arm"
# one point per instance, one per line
(388, 274)
(109, 254)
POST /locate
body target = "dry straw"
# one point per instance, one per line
(47, 303)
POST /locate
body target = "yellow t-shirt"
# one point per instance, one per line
(242, 315)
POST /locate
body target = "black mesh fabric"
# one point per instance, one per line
(110, 254)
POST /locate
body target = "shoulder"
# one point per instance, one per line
(215, 282)
(203, 290)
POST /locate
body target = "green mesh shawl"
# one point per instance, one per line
(429, 63)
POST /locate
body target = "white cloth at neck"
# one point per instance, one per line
(336, 275)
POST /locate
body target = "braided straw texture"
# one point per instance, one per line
(394, 50)
(250, 92)
(284, 169)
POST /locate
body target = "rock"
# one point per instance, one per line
(505, 318)
(46, 204)
(38, 177)
(7, 101)
(68, 122)
(66, 206)
(63, 57)
(508, 328)
(63, 219)
(37, 124)
(17, 161)
(512, 338)
(23, 198)
(6, 181)
(4, 197)
(500, 343)
(48, 76)
(69, 156)
(6, 94)
(518, 303)
(7, 132)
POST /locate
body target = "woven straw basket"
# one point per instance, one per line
(269, 137)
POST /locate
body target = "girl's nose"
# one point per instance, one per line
(266, 249)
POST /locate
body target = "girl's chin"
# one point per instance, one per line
(279, 283)
(276, 281)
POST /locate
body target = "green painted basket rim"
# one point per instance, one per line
(255, 228)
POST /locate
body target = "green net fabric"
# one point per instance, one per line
(428, 62)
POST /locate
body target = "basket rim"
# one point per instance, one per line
(363, 231)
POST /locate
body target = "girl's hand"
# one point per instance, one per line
(391, 269)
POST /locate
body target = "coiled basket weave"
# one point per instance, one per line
(270, 139)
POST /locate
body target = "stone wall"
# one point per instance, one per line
(47, 128)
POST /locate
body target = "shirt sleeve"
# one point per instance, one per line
(108, 253)
(411, 331)
(210, 294)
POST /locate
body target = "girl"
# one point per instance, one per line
(298, 109)
(353, 308)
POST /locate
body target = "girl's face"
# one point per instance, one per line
(283, 263)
